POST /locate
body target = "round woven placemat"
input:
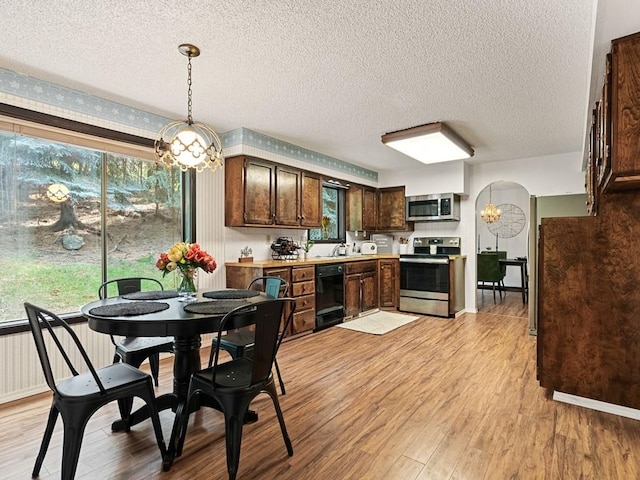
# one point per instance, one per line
(221, 306)
(231, 294)
(155, 295)
(128, 309)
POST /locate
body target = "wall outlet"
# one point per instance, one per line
(268, 239)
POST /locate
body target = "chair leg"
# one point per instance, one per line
(494, 291)
(279, 377)
(271, 390)
(233, 428)
(51, 423)
(154, 364)
(74, 427)
(149, 399)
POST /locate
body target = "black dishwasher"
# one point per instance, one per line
(329, 295)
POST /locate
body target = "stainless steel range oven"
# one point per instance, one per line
(432, 278)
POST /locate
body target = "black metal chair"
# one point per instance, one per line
(239, 343)
(135, 350)
(77, 398)
(234, 384)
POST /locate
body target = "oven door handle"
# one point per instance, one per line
(435, 261)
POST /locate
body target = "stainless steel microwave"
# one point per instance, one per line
(433, 208)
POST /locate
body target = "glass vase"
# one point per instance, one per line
(188, 283)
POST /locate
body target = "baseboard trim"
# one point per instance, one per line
(597, 405)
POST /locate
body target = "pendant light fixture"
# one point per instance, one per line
(490, 214)
(188, 144)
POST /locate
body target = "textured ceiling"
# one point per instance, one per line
(510, 76)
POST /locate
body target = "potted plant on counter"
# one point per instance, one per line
(306, 246)
(245, 255)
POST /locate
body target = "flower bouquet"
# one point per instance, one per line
(185, 259)
(325, 226)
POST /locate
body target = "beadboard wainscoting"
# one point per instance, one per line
(20, 368)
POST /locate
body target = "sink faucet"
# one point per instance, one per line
(334, 252)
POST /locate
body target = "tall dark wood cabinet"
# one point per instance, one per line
(589, 267)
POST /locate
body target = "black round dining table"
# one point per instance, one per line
(118, 316)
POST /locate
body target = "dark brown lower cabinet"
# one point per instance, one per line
(589, 302)
(360, 287)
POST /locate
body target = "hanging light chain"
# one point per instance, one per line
(189, 103)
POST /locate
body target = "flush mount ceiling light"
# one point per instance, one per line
(430, 143)
(187, 144)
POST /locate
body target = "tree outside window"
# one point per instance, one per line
(52, 222)
(332, 230)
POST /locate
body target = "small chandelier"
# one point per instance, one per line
(188, 144)
(490, 214)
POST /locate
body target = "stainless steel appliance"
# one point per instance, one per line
(439, 207)
(432, 278)
(329, 295)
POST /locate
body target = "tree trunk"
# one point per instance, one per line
(68, 219)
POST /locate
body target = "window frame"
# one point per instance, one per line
(341, 213)
(54, 128)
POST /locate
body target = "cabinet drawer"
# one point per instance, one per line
(302, 288)
(304, 321)
(305, 302)
(284, 273)
(361, 267)
(303, 273)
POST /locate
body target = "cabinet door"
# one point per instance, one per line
(259, 192)
(388, 283)
(287, 196)
(391, 209)
(369, 286)
(354, 208)
(311, 201)
(351, 295)
(625, 115)
(369, 208)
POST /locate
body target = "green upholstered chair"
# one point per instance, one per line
(490, 270)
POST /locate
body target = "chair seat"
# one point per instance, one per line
(233, 375)
(142, 345)
(112, 377)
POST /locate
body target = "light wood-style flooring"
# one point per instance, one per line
(435, 399)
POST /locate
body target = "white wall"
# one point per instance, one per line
(540, 176)
(436, 178)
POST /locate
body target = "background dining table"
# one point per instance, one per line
(144, 315)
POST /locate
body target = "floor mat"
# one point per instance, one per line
(378, 323)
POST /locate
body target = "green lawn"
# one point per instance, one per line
(64, 286)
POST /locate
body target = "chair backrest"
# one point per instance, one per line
(128, 285)
(265, 316)
(489, 267)
(43, 322)
(272, 286)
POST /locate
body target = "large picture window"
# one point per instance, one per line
(71, 217)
